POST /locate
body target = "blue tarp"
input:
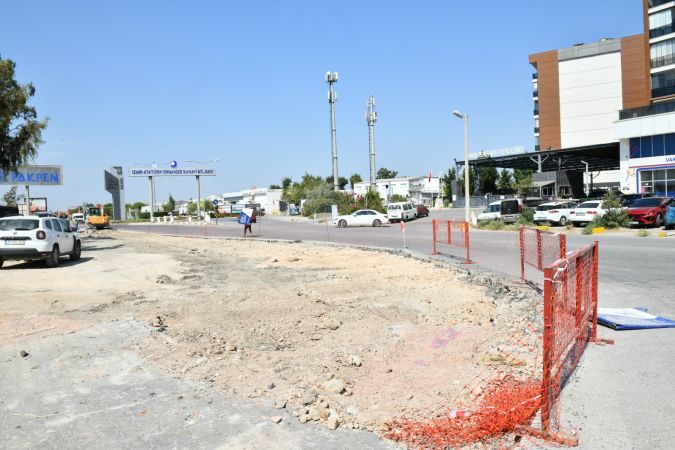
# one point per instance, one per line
(631, 319)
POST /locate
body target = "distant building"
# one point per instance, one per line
(268, 199)
(416, 189)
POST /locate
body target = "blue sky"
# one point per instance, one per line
(129, 82)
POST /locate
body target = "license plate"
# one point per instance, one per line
(634, 222)
(581, 214)
(13, 242)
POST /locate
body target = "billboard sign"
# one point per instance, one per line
(171, 172)
(34, 176)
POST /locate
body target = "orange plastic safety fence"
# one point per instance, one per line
(503, 407)
(570, 318)
(539, 248)
(454, 233)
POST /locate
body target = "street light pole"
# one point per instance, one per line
(467, 197)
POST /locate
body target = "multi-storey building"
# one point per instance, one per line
(615, 91)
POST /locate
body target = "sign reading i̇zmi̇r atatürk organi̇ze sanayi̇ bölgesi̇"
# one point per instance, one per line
(34, 175)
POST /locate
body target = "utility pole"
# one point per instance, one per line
(331, 78)
(371, 118)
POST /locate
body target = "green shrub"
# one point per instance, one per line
(615, 217)
(643, 233)
(494, 225)
(588, 229)
(526, 217)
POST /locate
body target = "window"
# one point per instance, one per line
(547, 191)
(57, 225)
(660, 182)
(657, 145)
(635, 147)
(660, 19)
(645, 146)
(64, 225)
(662, 53)
(670, 144)
(48, 224)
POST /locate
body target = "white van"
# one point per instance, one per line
(491, 212)
(401, 211)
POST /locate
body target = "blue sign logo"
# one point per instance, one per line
(173, 164)
(215, 202)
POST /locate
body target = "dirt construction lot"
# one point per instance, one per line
(330, 336)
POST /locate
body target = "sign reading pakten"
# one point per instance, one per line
(34, 176)
(147, 172)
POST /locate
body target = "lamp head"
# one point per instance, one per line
(458, 114)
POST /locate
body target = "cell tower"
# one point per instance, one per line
(331, 78)
(371, 118)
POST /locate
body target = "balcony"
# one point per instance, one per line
(661, 31)
(535, 93)
(663, 61)
(655, 3)
(536, 130)
(663, 91)
(656, 108)
(536, 111)
(535, 76)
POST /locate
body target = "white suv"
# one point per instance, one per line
(558, 213)
(32, 237)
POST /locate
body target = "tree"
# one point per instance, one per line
(108, 209)
(488, 179)
(20, 130)
(275, 186)
(397, 198)
(342, 182)
(383, 172)
(138, 205)
(355, 178)
(170, 205)
(505, 182)
(447, 183)
(523, 181)
(10, 197)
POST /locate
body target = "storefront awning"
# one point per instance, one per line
(539, 184)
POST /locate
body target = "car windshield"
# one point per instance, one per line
(18, 224)
(394, 207)
(545, 207)
(588, 205)
(646, 202)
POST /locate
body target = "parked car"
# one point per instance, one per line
(360, 218)
(32, 237)
(77, 218)
(648, 211)
(628, 199)
(586, 212)
(510, 209)
(422, 211)
(669, 218)
(557, 213)
(401, 211)
(491, 212)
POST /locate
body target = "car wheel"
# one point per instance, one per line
(667, 227)
(377, 223)
(562, 221)
(342, 223)
(658, 221)
(53, 259)
(77, 251)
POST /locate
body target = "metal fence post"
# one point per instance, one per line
(594, 295)
(522, 252)
(547, 352)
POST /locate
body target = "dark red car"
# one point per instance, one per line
(422, 211)
(648, 211)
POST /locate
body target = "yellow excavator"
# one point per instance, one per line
(97, 218)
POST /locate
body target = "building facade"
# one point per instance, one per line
(423, 190)
(614, 91)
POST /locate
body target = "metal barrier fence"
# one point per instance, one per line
(454, 233)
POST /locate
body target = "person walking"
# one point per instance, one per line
(248, 226)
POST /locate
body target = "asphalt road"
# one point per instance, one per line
(618, 396)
